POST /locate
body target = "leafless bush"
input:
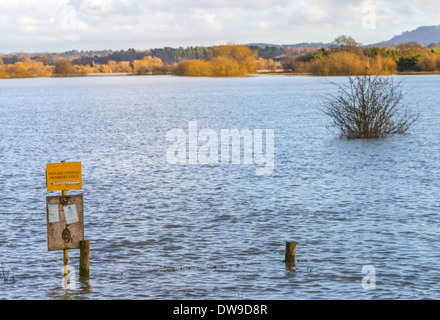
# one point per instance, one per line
(369, 106)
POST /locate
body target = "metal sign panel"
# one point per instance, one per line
(65, 222)
(63, 176)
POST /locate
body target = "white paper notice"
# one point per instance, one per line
(53, 212)
(70, 214)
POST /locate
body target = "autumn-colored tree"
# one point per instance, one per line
(219, 67)
(261, 64)
(25, 68)
(237, 51)
(289, 63)
(250, 64)
(123, 67)
(146, 65)
(37, 68)
(227, 67)
(195, 68)
(64, 68)
(18, 70)
(430, 62)
(3, 73)
(413, 47)
(112, 65)
(245, 57)
(118, 67)
(296, 65)
(268, 64)
(84, 70)
(340, 63)
(105, 68)
(165, 69)
(224, 61)
(381, 65)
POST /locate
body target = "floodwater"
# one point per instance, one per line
(359, 210)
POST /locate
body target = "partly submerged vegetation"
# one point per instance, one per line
(343, 57)
(369, 106)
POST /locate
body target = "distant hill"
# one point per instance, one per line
(296, 45)
(422, 35)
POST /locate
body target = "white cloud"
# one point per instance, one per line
(315, 14)
(121, 24)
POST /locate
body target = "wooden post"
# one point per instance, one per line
(290, 252)
(84, 259)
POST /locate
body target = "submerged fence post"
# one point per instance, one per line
(290, 252)
(84, 259)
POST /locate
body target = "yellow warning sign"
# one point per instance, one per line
(63, 176)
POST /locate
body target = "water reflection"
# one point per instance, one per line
(77, 289)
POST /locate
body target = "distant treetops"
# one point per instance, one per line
(344, 57)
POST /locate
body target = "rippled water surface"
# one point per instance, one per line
(162, 231)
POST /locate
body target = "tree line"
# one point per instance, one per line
(346, 57)
(343, 57)
(224, 60)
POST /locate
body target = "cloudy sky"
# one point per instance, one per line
(60, 25)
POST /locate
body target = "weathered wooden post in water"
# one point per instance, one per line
(65, 217)
(290, 254)
(84, 259)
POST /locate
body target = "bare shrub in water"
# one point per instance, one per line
(369, 106)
